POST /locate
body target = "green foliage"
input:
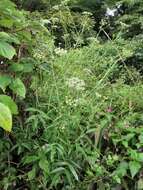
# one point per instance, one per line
(73, 86)
(5, 118)
(6, 50)
(18, 87)
(16, 48)
(10, 103)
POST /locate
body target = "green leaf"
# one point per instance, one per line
(6, 100)
(4, 36)
(140, 184)
(16, 67)
(44, 165)
(32, 174)
(58, 170)
(8, 38)
(30, 159)
(5, 118)
(122, 169)
(69, 177)
(4, 82)
(117, 179)
(141, 138)
(55, 179)
(134, 168)
(27, 68)
(73, 172)
(8, 23)
(18, 87)
(140, 157)
(6, 50)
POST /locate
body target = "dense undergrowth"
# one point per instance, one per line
(72, 80)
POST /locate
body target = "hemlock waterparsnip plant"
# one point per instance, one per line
(71, 95)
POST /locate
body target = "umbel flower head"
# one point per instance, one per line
(76, 83)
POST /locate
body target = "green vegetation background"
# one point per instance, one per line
(71, 95)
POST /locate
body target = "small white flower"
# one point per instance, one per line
(55, 19)
(98, 95)
(45, 146)
(60, 51)
(74, 102)
(46, 21)
(87, 13)
(111, 12)
(76, 83)
(56, 7)
(62, 127)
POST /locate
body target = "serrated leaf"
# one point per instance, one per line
(32, 174)
(7, 100)
(18, 87)
(8, 38)
(6, 22)
(4, 82)
(6, 50)
(134, 168)
(5, 118)
(44, 165)
(4, 36)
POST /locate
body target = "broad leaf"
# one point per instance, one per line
(44, 165)
(4, 36)
(140, 184)
(18, 87)
(134, 168)
(121, 169)
(8, 38)
(16, 67)
(6, 100)
(7, 23)
(5, 118)
(32, 174)
(27, 68)
(4, 82)
(6, 50)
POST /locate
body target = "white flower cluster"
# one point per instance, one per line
(76, 83)
(87, 13)
(60, 51)
(62, 127)
(38, 54)
(65, 2)
(114, 12)
(56, 7)
(111, 12)
(74, 102)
